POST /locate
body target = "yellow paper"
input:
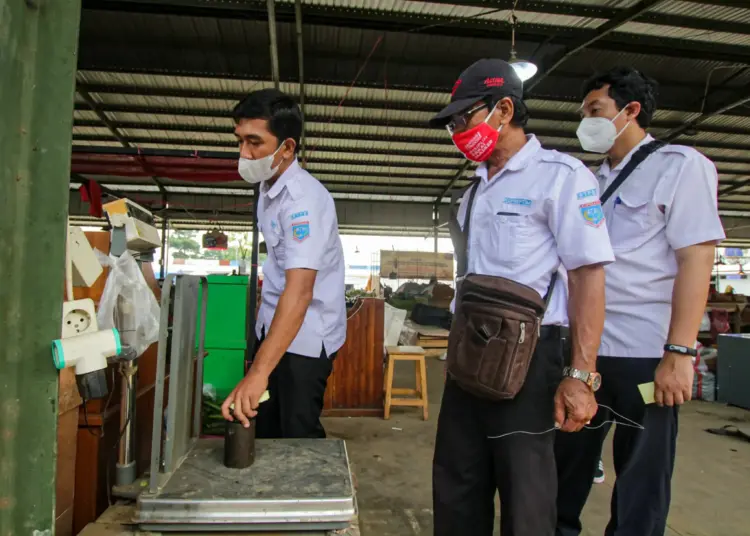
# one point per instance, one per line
(647, 392)
(265, 396)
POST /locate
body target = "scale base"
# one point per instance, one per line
(294, 484)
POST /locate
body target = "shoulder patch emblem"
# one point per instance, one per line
(301, 231)
(587, 193)
(592, 213)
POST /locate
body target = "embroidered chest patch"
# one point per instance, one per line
(301, 231)
(517, 201)
(592, 213)
(587, 193)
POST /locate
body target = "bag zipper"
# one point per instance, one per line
(522, 336)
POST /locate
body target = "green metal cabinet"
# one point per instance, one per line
(225, 332)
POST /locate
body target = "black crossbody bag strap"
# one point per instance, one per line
(460, 238)
(640, 155)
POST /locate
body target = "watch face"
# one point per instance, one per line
(596, 381)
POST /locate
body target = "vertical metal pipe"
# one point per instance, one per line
(38, 41)
(163, 269)
(301, 68)
(125, 469)
(273, 44)
(252, 298)
(435, 223)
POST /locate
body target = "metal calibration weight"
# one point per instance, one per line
(239, 445)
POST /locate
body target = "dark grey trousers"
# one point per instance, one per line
(469, 469)
(643, 459)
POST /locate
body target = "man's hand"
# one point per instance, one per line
(673, 381)
(575, 405)
(246, 398)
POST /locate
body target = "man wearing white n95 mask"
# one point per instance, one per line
(663, 223)
(302, 319)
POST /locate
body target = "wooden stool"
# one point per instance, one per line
(418, 396)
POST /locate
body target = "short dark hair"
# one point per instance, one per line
(627, 85)
(520, 110)
(279, 109)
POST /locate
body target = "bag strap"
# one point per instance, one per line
(640, 155)
(459, 236)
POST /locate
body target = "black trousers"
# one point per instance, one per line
(643, 459)
(297, 387)
(469, 468)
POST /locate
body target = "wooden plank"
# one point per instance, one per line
(433, 343)
(417, 350)
(356, 382)
(430, 331)
(411, 402)
(405, 392)
(65, 473)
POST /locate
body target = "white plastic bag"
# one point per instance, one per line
(128, 303)
(705, 323)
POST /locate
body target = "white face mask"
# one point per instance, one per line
(258, 170)
(598, 134)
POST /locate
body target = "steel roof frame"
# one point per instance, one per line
(603, 12)
(556, 59)
(543, 132)
(393, 21)
(375, 105)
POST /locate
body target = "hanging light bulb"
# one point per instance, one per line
(524, 68)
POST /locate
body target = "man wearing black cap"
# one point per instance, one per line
(534, 213)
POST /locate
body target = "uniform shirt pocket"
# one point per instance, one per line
(631, 219)
(275, 243)
(507, 229)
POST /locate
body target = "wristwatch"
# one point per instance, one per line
(677, 349)
(592, 379)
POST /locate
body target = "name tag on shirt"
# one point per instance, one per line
(519, 201)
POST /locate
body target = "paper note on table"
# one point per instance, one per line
(647, 392)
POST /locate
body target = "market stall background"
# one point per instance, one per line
(157, 81)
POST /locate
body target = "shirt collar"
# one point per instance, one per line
(278, 186)
(518, 161)
(604, 170)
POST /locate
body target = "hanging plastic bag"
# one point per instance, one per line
(128, 303)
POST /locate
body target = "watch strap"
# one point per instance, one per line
(678, 349)
(582, 375)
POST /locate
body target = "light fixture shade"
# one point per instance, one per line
(524, 69)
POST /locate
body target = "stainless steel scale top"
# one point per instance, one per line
(297, 484)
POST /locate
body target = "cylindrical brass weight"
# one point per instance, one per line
(239, 445)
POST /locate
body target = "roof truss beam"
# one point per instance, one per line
(255, 9)
(387, 137)
(392, 21)
(554, 61)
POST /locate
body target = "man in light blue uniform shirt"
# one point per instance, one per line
(664, 225)
(302, 319)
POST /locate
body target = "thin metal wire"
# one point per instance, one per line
(629, 422)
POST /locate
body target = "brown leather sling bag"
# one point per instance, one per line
(497, 321)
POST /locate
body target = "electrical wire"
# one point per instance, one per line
(629, 422)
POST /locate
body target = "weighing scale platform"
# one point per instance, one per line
(294, 485)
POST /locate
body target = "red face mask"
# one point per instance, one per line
(477, 143)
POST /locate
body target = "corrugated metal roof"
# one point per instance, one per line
(712, 12)
(168, 82)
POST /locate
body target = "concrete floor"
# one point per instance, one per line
(392, 464)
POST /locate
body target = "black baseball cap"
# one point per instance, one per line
(485, 78)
